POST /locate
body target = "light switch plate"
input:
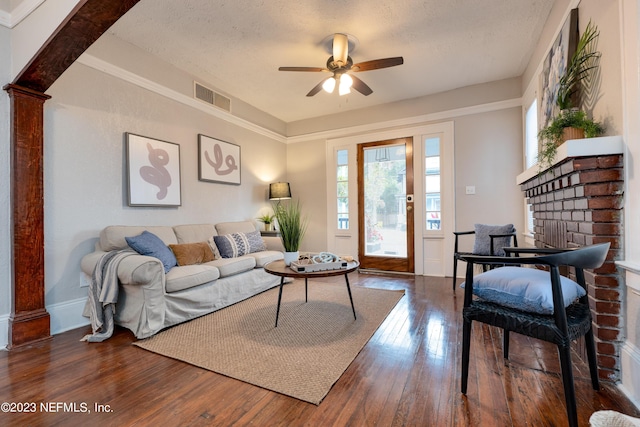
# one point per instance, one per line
(471, 189)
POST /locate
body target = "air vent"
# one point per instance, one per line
(210, 97)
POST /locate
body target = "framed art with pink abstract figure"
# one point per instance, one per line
(153, 172)
(218, 161)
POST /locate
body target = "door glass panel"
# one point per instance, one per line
(342, 178)
(385, 201)
(432, 182)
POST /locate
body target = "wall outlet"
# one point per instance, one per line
(471, 189)
(85, 279)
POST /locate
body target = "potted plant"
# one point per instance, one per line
(569, 124)
(579, 71)
(572, 123)
(292, 225)
(267, 219)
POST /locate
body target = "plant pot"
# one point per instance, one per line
(572, 133)
(291, 256)
(268, 227)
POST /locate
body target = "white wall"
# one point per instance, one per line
(306, 171)
(117, 53)
(488, 153)
(430, 106)
(630, 28)
(32, 32)
(5, 178)
(85, 178)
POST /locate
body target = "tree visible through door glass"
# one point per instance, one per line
(385, 201)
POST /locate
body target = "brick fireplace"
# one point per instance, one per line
(578, 202)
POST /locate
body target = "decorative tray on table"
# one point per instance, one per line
(318, 262)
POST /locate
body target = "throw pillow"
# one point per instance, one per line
(192, 253)
(526, 289)
(151, 245)
(482, 245)
(214, 248)
(238, 244)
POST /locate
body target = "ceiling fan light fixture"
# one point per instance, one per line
(340, 63)
(345, 84)
(329, 85)
(340, 48)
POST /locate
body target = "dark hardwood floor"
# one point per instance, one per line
(407, 375)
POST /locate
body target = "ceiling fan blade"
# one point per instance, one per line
(361, 86)
(317, 88)
(340, 48)
(312, 69)
(377, 64)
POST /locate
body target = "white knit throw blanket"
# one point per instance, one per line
(103, 294)
(612, 419)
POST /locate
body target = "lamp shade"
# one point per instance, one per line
(279, 191)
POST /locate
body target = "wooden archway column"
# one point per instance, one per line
(29, 321)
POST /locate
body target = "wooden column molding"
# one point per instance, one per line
(29, 320)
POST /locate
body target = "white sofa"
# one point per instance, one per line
(150, 300)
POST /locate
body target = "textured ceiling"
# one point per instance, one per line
(236, 46)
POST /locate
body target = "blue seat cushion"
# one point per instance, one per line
(526, 289)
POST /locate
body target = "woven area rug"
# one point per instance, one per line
(303, 357)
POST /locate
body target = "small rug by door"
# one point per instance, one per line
(303, 357)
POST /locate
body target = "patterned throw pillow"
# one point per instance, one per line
(238, 244)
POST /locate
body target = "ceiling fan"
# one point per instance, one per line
(341, 66)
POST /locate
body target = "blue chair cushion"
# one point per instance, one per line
(526, 289)
(151, 245)
(482, 244)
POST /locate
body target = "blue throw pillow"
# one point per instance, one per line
(238, 244)
(151, 245)
(526, 289)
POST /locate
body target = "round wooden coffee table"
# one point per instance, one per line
(278, 268)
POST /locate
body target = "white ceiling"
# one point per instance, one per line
(236, 46)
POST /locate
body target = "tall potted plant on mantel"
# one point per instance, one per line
(293, 225)
(572, 122)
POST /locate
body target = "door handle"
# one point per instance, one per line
(409, 207)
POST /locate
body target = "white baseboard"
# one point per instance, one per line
(63, 316)
(4, 331)
(630, 366)
(67, 315)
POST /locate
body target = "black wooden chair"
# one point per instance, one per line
(553, 308)
(489, 240)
